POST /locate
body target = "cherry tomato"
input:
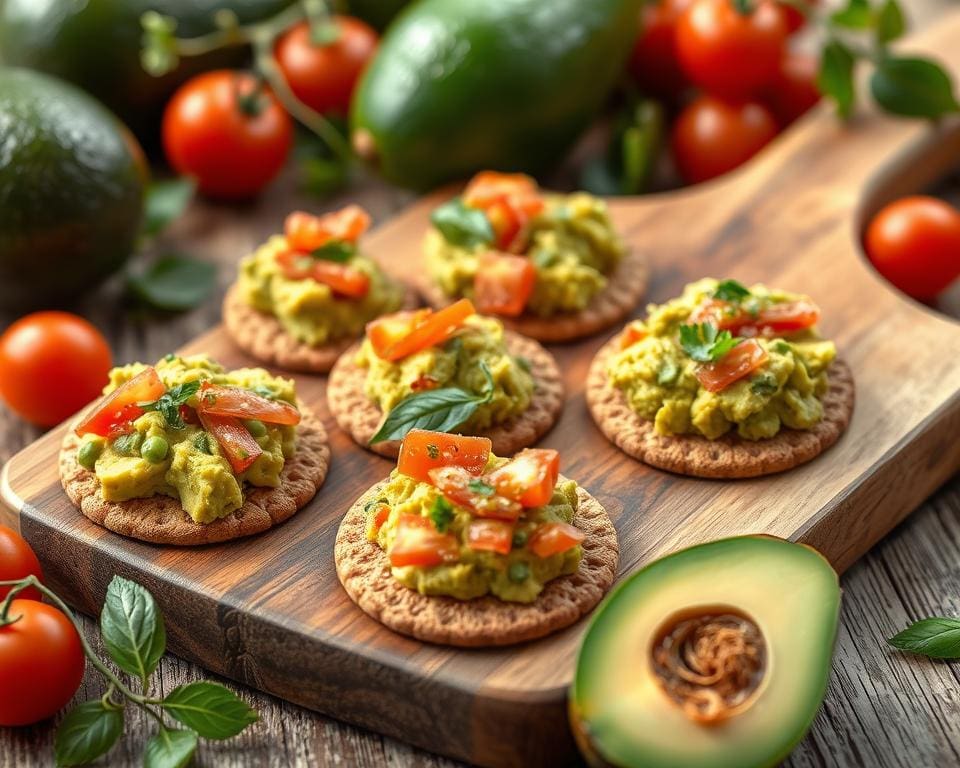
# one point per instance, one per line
(244, 404)
(915, 243)
(740, 361)
(422, 450)
(118, 409)
(793, 91)
(711, 137)
(428, 330)
(633, 332)
(503, 284)
(464, 489)
(234, 439)
(490, 536)
(51, 365)
(219, 129)
(728, 53)
(417, 542)
(41, 663)
(553, 538)
(654, 63)
(529, 477)
(306, 232)
(324, 76)
(17, 561)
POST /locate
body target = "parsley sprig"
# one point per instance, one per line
(704, 343)
(168, 404)
(441, 512)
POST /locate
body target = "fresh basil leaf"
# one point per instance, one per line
(764, 385)
(336, 250)
(441, 513)
(437, 410)
(210, 709)
(890, 22)
(857, 14)
(704, 343)
(913, 87)
(835, 79)
(170, 401)
(132, 628)
(170, 748)
(490, 386)
(481, 487)
(938, 638)
(166, 201)
(462, 225)
(731, 290)
(174, 283)
(668, 372)
(88, 731)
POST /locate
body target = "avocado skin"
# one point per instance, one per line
(96, 45)
(461, 85)
(71, 191)
(377, 13)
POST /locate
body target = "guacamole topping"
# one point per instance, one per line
(162, 447)
(723, 357)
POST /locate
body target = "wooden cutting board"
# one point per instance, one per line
(268, 611)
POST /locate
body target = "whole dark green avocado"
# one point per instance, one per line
(96, 44)
(462, 85)
(71, 191)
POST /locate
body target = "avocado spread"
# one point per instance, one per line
(571, 243)
(309, 310)
(187, 463)
(458, 362)
(659, 377)
(517, 577)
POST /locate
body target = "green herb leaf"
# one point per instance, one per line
(523, 362)
(764, 385)
(210, 709)
(938, 638)
(481, 487)
(731, 290)
(336, 250)
(668, 372)
(170, 401)
(857, 14)
(170, 748)
(372, 504)
(835, 79)
(782, 347)
(174, 283)
(441, 512)
(166, 201)
(132, 628)
(88, 731)
(438, 410)
(890, 22)
(913, 87)
(462, 225)
(704, 343)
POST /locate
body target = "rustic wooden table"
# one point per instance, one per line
(882, 708)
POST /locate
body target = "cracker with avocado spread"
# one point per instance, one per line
(162, 520)
(726, 457)
(360, 417)
(364, 570)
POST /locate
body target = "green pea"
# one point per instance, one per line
(518, 572)
(256, 427)
(89, 453)
(201, 443)
(519, 539)
(128, 445)
(154, 449)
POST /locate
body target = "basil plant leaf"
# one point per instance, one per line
(437, 410)
(132, 628)
(170, 748)
(211, 710)
(891, 23)
(166, 201)
(88, 731)
(857, 14)
(835, 79)
(938, 638)
(174, 283)
(913, 87)
(461, 225)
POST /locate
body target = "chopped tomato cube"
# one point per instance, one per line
(244, 404)
(377, 517)
(387, 330)
(426, 329)
(508, 226)
(234, 439)
(503, 283)
(306, 232)
(740, 361)
(295, 265)
(487, 187)
(422, 451)
(341, 278)
(510, 200)
(633, 332)
(792, 316)
(475, 493)
(529, 477)
(119, 408)
(553, 538)
(490, 536)
(777, 318)
(417, 542)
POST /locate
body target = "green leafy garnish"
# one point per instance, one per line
(764, 385)
(202, 443)
(164, 202)
(781, 347)
(264, 391)
(168, 404)
(441, 512)
(481, 487)
(668, 372)
(461, 225)
(523, 363)
(174, 283)
(913, 87)
(731, 290)
(373, 504)
(339, 251)
(938, 638)
(704, 343)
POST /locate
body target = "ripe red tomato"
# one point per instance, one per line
(17, 561)
(231, 138)
(915, 243)
(323, 76)
(41, 663)
(794, 90)
(654, 63)
(728, 53)
(51, 365)
(711, 137)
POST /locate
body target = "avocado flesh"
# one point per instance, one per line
(618, 707)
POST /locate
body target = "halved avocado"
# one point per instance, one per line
(717, 655)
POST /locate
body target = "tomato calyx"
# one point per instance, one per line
(394, 337)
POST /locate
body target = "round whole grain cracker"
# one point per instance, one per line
(162, 520)
(728, 457)
(360, 418)
(364, 571)
(263, 337)
(623, 291)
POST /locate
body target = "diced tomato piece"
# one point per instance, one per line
(490, 536)
(244, 404)
(189, 415)
(306, 232)
(740, 361)
(777, 318)
(118, 409)
(489, 186)
(553, 538)
(475, 493)
(508, 224)
(341, 278)
(503, 283)
(529, 477)
(791, 316)
(428, 329)
(633, 332)
(378, 516)
(510, 200)
(417, 542)
(724, 315)
(422, 450)
(235, 440)
(386, 331)
(295, 265)
(424, 383)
